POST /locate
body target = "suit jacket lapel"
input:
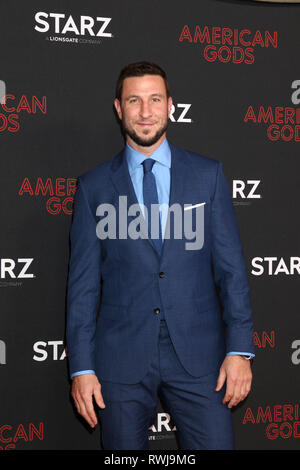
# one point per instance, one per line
(121, 179)
(123, 184)
(178, 180)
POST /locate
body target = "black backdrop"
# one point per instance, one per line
(233, 70)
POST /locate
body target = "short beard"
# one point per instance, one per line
(143, 142)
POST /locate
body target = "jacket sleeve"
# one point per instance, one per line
(230, 269)
(83, 292)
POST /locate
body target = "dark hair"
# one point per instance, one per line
(139, 69)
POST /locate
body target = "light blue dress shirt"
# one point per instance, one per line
(162, 172)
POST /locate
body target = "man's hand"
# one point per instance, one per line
(236, 370)
(84, 387)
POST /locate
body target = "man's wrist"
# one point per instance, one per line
(247, 356)
(82, 372)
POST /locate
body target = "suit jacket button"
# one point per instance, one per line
(157, 311)
(161, 274)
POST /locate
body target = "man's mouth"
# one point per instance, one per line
(145, 124)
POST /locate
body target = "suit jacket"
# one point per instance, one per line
(116, 286)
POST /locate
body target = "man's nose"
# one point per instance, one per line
(145, 109)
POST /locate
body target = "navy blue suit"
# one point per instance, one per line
(116, 289)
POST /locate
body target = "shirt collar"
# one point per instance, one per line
(161, 155)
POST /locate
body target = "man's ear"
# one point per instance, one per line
(170, 103)
(117, 105)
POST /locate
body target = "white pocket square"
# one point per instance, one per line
(195, 205)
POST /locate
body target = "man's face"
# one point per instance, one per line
(144, 109)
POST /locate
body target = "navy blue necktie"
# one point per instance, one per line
(151, 197)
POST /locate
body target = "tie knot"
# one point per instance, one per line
(148, 164)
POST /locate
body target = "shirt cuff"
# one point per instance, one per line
(234, 353)
(81, 372)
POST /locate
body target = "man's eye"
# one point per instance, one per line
(133, 100)
(156, 99)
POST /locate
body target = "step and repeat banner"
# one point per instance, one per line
(234, 75)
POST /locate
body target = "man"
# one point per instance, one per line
(174, 319)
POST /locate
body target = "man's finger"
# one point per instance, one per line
(229, 391)
(235, 399)
(76, 404)
(85, 408)
(246, 389)
(83, 412)
(99, 398)
(88, 402)
(221, 380)
(236, 395)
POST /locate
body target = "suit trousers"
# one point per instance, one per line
(201, 419)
